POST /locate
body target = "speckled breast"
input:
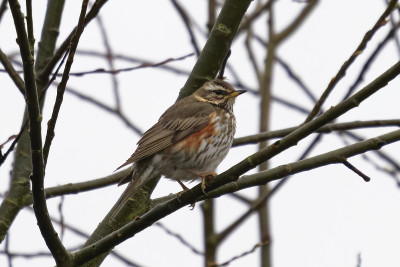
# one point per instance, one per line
(203, 150)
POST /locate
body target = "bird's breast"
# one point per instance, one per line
(218, 133)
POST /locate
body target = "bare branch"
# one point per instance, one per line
(12, 72)
(357, 171)
(253, 139)
(342, 71)
(142, 66)
(45, 72)
(371, 59)
(104, 107)
(110, 61)
(186, 21)
(228, 183)
(180, 239)
(61, 255)
(252, 250)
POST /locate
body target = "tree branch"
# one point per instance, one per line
(342, 71)
(217, 46)
(12, 72)
(254, 139)
(164, 209)
(59, 252)
(231, 175)
(47, 69)
(332, 157)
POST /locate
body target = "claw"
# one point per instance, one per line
(185, 188)
(206, 178)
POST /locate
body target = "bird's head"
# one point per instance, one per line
(219, 93)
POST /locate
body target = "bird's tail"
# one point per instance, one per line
(137, 178)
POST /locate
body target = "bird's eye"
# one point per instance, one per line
(219, 92)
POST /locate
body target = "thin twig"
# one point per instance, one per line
(186, 21)
(105, 107)
(180, 239)
(7, 250)
(13, 144)
(133, 60)
(250, 52)
(211, 14)
(395, 166)
(18, 81)
(290, 72)
(25, 125)
(255, 15)
(45, 72)
(296, 23)
(359, 260)
(62, 222)
(253, 139)
(357, 171)
(80, 233)
(142, 66)
(342, 71)
(252, 250)
(61, 86)
(222, 70)
(392, 21)
(110, 61)
(381, 154)
(3, 8)
(370, 60)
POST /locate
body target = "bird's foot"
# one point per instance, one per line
(206, 178)
(185, 188)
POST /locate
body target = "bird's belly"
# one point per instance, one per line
(201, 152)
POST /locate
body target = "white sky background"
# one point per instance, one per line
(324, 217)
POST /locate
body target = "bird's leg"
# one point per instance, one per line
(205, 179)
(184, 187)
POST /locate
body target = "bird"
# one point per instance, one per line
(189, 141)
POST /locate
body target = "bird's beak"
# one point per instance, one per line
(236, 93)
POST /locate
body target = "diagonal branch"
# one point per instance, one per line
(12, 72)
(186, 21)
(306, 129)
(227, 181)
(61, 86)
(342, 71)
(254, 139)
(174, 204)
(332, 157)
(47, 69)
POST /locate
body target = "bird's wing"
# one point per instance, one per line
(180, 120)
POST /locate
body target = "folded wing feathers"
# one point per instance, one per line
(166, 131)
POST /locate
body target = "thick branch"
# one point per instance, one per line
(217, 46)
(333, 157)
(169, 207)
(231, 176)
(53, 242)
